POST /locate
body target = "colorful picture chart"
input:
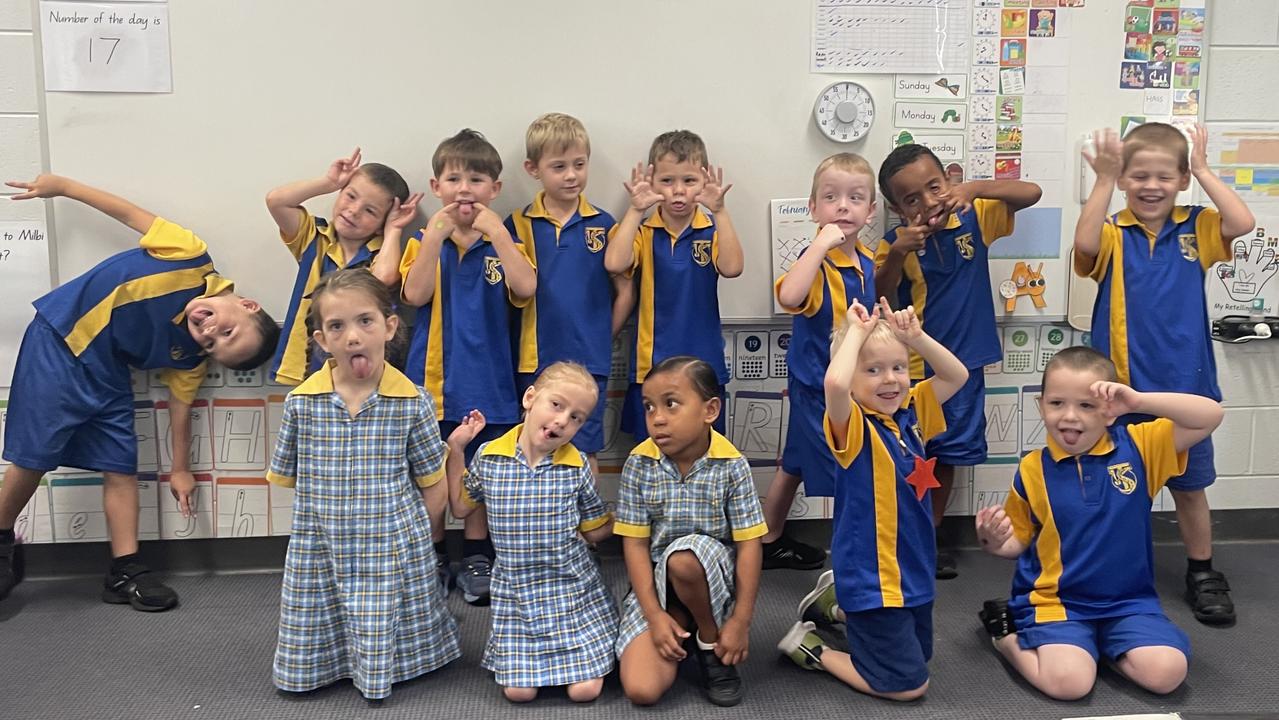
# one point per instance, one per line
(1163, 44)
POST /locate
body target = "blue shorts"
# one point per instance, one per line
(1111, 637)
(805, 453)
(61, 413)
(491, 431)
(891, 647)
(1201, 471)
(633, 420)
(590, 437)
(964, 442)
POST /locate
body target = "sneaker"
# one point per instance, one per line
(819, 605)
(802, 646)
(135, 585)
(473, 580)
(787, 553)
(1209, 596)
(722, 683)
(444, 570)
(996, 619)
(11, 566)
(946, 569)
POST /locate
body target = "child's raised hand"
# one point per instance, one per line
(860, 319)
(667, 636)
(910, 238)
(1107, 157)
(993, 527)
(1120, 399)
(640, 188)
(904, 323)
(829, 237)
(959, 198)
(1198, 148)
(403, 213)
(341, 170)
(486, 221)
(44, 186)
(466, 430)
(445, 220)
(713, 188)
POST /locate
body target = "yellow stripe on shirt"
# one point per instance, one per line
(1044, 598)
(93, 322)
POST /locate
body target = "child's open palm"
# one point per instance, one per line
(713, 188)
(340, 172)
(640, 188)
(466, 430)
(1106, 158)
(1198, 148)
(403, 213)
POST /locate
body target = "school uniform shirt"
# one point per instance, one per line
(884, 548)
(1151, 313)
(315, 247)
(678, 311)
(949, 284)
(840, 280)
(130, 309)
(1086, 520)
(461, 346)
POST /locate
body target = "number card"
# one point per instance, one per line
(106, 47)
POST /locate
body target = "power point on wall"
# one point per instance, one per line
(1241, 328)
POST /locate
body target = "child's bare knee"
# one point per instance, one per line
(1070, 685)
(643, 693)
(519, 694)
(1163, 672)
(908, 695)
(683, 566)
(585, 691)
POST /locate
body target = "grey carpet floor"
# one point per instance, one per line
(66, 655)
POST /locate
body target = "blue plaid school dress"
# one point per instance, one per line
(361, 599)
(706, 512)
(554, 621)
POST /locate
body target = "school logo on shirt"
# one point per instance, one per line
(1189, 246)
(594, 239)
(176, 352)
(493, 270)
(1123, 478)
(702, 252)
(964, 243)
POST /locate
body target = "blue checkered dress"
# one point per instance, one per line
(706, 512)
(361, 599)
(554, 621)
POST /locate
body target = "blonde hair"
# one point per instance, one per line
(1158, 136)
(882, 332)
(849, 163)
(567, 372)
(554, 132)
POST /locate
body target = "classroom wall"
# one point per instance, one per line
(22, 147)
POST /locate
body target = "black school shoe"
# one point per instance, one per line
(135, 585)
(11, 566)
(946, 569)
(1209, 596)
(721, 682)
(996, 619)
(785, 552)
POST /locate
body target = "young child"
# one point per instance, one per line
(833, 270)
(1151, 314)
(690, 523)
(466, 274)
(369, 214)
(1078, 522)
(678, 288)
(554, 622)
(161, 305)
(579, 306)
(877, 426)
(357, 442)
(937, 261)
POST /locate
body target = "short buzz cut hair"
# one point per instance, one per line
(683, 145)
(899, 158)
(471, 151)
(849, 163)
(1081, 359)
(386, 178)
(1158, 136)
(554, 132)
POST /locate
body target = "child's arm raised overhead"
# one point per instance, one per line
(792, 291)
(1236, 218)
(843, 366)
(386, 266)
(728, 260)
(1193, 417)
(285, 202)
(620, 254)
(51, 186)
(949, 374)
(419, 281)
(1107, 164)
(521, 278)
(1016, 194)
(455, 465)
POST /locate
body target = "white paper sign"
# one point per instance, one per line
(953, 86)
(942, 116)
(106, 47)
(24, 276)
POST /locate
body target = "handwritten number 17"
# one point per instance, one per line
(115, 41)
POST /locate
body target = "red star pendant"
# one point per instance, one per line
(922, 477)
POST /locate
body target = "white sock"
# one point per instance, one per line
(703, 645)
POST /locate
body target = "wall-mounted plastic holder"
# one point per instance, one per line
(1242, 329)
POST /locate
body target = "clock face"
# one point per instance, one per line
(844, 112)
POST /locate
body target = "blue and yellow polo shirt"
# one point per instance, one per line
(884, 548)
(949, 284)
(315, 247)
(678, 294)
(130, 309)
(461, 346)
(1151, 313)
(841, 280)
(571, 315)
(1086, 520)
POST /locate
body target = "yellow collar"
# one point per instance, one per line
(334, 251)
(538, 208)
(699, 221)
(1103, 447)
(720, 449)
(508, 444)
(392, 384)
(1125, 218)
(839, 258)
(952, 222)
